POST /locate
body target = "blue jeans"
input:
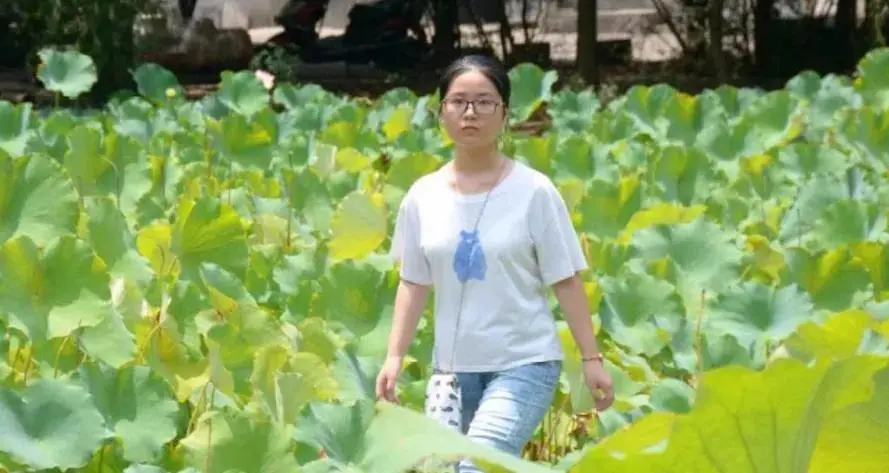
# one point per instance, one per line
(503, 409)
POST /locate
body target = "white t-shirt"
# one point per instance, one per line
(527, 242)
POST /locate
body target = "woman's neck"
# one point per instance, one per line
(477, 161)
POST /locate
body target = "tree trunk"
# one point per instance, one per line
(846, 25)
(446, 36)
(762, 22)
(587, 38)
(715, 26)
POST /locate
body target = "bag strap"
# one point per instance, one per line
(463, 284)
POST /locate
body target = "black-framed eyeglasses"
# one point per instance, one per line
(480, 106)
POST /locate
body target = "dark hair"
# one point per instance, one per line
(489, 66)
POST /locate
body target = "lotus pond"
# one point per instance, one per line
(203, 285)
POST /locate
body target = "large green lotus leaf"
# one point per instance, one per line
(660, 213)
(866, 133)
(242, 92)
(787, 418)
(607, 207)
(573, 158)
(207, 230)
(51, 132)
(875, 257)
(645, 106)
(404, 171)
(757, 315)
(638, 310)
(50, 424)
(356, 375)
(84, 159)
(843, 334)
(689, 116)
(773, 119)
(350, 134)
(226, 441)
(611, 126)
(757, 177)
(37, 199)
(246, 141)
(684, 175)
(52, 292)
(850, 221)
(704, 254)
(531, 87)
(420, 139)
(571, 110)
(802, 161)
(637, 447)
(720, 350)
(286, 382)
(295, 97)
(136, 119)
(242, 327)
(310, 198)
(397, 122)
(109, 341)
(812, 198)
(873, 82)
(386, 438)
(672, 395)
(157, 83)
(834, 279)
(726, 142)
(733, 100)
(137, 405)
(111, 239)
(854, 437)
(536, 151)
(70, 73)
(359, 226)
(293, 123)
(824, 98)
(353, 294)
(129, 177)
(337, 429)
(16, 125)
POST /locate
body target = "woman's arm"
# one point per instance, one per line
(573, 301)
(410, 299)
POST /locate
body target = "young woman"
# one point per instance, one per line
(490, 234)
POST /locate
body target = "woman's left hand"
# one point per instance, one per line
(599, 383)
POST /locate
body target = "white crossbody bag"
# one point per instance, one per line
(444, 401)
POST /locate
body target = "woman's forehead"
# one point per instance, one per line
(472, 82)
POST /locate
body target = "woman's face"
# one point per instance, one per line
(472, 111)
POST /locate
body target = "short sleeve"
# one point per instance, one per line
(406, 244)
(556, 243)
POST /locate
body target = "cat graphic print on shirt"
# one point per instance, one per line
(469, 257)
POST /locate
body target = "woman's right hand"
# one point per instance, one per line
(387, 378)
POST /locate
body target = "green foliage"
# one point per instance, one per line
(100, 29)
(204, 285)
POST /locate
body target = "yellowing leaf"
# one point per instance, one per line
(767, 262)
(661, 213)
(359, 226)
(398, 122)
(351, 160)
